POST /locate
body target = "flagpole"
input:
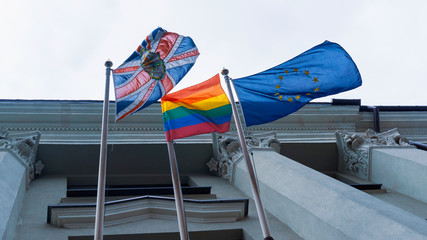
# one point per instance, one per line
(179, 202)
(100, 198)
(258, 204)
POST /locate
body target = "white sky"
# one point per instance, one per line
(52, 49)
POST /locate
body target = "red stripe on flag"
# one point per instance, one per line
(148, 42)
(185, 55)
(167, 83)
(204, 90)
(127, 69)
(144, 99)
(201, 128)
(137, 82)
(166, 44)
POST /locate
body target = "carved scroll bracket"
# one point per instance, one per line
(24, 146)
(354, 149)
(228, 153)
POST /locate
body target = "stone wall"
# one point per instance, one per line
(316, 206)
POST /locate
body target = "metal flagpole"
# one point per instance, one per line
(100, 198)
(258, 204)
(179, 202)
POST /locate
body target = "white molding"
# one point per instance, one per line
(134, 209)
(79, 122)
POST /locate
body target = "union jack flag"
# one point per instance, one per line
(155, 67)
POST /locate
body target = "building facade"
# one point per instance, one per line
(323, 174)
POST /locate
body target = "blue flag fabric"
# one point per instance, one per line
(323, 70)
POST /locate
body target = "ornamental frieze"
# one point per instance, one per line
(228, 153)
(24, 146)
(354, 149)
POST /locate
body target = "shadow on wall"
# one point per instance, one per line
(76, 159)
(322, 157)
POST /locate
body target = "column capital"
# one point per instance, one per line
(24, 146)
(354, 149)
(228, 153)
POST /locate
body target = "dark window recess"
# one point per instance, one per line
(360, 186)
(229, 234)
(372, 186)
(134, 190)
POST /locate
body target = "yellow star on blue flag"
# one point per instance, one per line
(326, 69)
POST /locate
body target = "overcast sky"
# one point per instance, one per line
(52, 49)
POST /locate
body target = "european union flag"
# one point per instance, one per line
(323, 70)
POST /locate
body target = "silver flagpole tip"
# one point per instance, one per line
(224, 71)
(108, 63)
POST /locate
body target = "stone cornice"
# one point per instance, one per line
(79, 122)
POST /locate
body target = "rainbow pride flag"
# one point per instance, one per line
(199, 109)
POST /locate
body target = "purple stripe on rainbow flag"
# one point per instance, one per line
(196, 130)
